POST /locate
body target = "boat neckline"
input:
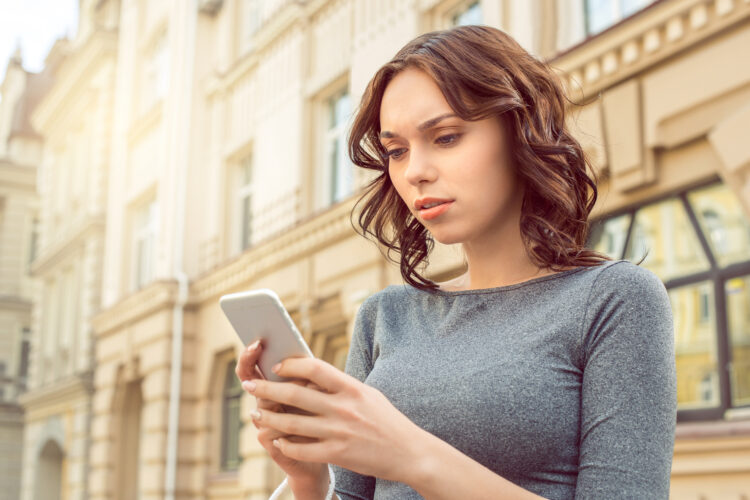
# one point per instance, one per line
(506, 287)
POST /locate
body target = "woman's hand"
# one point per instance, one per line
(310, 476)
(347, 423)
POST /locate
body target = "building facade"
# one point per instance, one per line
(225, 170)
(20, 152)
(74, 118)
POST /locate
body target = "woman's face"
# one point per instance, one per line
(435, 154)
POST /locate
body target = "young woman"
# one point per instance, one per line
(545, 371)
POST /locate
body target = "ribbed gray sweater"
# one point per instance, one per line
(563, 384)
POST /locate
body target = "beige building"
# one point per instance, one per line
(74, 117)
(225, 170)
(20, 149)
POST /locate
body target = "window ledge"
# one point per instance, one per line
(737, 423)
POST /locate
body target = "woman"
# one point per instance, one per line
(545, 371)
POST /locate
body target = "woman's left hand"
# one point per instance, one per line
(353, 425)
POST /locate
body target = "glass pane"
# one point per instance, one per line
(247, 221)
(738, 322)
(628, 7)
(600, 14)
(722, 220)
(608, 236)
(664, 230)
(695, 346)
(246, 171)
(472, 15)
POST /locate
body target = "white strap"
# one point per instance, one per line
(329, 495)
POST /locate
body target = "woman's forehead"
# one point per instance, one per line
(411, 98)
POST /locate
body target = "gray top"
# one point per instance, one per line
(563, 384)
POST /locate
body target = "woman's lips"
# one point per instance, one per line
(431, 213)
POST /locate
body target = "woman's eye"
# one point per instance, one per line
(447, 139)
(396, 153)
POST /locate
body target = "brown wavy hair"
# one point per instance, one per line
(483, 72)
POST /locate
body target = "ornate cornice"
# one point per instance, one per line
(662, 31)
(60, 393)
(77, 69)
(21, 176)
(296, 243)
(86, 227)
(275, 27)
(154, 297)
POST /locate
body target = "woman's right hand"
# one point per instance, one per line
(310, 476)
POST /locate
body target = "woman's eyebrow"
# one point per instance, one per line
(421, 127)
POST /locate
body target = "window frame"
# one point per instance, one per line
(230, 393)
(330, 135)
(716, 275)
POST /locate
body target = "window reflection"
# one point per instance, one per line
(608, 236)
(470, 15)
(663, 233)
(695, 346)
(723, 222)
(738, 322)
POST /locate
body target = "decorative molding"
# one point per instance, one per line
(154, 297)
(88, 226)
(662, 31)
(308, 236)
(61, 392)
(79, 67)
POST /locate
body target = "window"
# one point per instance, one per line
(601, 14)
(697, 242)
(23, 365)
(155, 74)
(339, 172)
(144, 244)
(34, 242)
(244, 202)
(250, 22)
(231, 424)
(471, 14)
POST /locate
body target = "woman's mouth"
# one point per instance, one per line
(434, 210)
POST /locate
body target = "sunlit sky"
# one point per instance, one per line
(35, 24)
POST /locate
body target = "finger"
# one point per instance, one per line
(267, 434)
(322, 374)
(288, 394)
(316, 451)
(287, 423)
(246, 368)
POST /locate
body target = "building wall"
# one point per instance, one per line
(74, 116)
(19, 150)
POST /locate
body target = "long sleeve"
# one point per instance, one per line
(351, 485)
(628, 405)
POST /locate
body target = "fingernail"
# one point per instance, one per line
(276, 368)
(255, 414)
(254, 345)
(276, 443)
(248, 385)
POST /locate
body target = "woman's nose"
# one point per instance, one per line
(420, 167)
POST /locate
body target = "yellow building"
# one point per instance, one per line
(225, 170)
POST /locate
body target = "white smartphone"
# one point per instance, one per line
(259, 314)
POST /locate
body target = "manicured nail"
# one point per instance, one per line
(253, 346)
(248, 385)
(255, 414)
(276, 443)
(276, 368)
